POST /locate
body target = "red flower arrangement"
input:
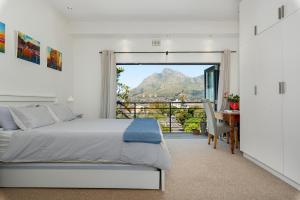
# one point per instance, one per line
(234, 101)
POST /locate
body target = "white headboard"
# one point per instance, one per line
(23, 99)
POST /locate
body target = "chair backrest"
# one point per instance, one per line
(211, 119)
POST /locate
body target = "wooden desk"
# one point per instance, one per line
(232, 118)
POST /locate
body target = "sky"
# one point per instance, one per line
(2, 27)
(2, 37)
(28, 38)
(135, 74)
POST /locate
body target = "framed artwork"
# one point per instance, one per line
(28, 48)
(2, 37)
(54, 59)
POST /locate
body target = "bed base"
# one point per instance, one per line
(82, 178)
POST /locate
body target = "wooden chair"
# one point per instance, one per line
(215, 128)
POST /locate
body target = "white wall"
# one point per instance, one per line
(39, 20)
(42, 22)
(155, 28)
(87, 59)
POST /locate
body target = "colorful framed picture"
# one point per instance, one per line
(54, 59)
(2, 37)
(28, 48)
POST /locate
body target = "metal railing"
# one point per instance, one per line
(173, 116)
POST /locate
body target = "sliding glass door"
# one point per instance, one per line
(170, 92)
(211, 81)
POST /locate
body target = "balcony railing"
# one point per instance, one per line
(173, 116)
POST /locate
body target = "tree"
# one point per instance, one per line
(182, 98)
(122, 93)
(122, 89)
(162, 108)
(182, 116)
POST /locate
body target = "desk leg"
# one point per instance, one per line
(232, 139)
(236, 138)
(227, 137)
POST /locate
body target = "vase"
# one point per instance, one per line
(234, 105)
(196, 132)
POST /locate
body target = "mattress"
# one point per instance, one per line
(83, 140)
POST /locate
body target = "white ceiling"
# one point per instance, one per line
(148, 10)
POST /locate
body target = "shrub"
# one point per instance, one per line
(190, 124)
(182, 116)
(202, 116)
(165, 128)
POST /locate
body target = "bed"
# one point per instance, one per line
(80, 153)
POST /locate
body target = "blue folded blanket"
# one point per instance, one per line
(144, 131)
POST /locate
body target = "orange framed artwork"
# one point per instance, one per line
(2, 37)
(54, 59)
(28, 48)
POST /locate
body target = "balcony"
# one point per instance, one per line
(174, 117)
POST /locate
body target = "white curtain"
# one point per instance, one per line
(108, 85)
(224, 80)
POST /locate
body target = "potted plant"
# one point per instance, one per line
(203, 123)
(234, 102)
(196, 131)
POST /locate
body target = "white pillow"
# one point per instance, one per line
(31, 117)
(6, 120)
(62, 112)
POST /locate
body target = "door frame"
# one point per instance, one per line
(172, 63)
(215, 65)
(215, 68)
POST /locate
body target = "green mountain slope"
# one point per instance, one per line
(167, 86)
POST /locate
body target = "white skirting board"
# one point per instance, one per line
(82, 178)
(275, 173)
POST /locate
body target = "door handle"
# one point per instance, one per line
(282, 87)
(279, 13)
(255, 90)
(282, 11)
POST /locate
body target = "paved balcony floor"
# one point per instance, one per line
(183, 136)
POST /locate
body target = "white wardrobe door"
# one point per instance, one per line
(248, 69)
(268, 13)
(269, 101)
(248, 20)
(291, 6)
(291, 106)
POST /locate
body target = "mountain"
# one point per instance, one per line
(168, 86)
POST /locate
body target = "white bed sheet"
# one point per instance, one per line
(82, 140)
(5, 139)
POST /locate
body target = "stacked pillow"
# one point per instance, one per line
(61, 112)
(29, 117)
(6, 120)
(34, 116)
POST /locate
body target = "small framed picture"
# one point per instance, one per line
(28, 48)
(2, 37)
(54, 59)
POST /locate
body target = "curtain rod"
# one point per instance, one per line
(166, 52)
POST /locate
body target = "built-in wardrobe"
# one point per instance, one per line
(270, 85)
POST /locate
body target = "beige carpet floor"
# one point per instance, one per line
(198, 172)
